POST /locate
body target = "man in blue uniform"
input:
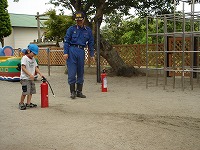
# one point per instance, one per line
(76, 39)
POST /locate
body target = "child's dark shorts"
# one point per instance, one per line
(28, 87)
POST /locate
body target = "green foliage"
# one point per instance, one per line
(113, 30)
(5, 24)
(134, 30)
(96, 9)
(131, 31)
(57, 25)
(117, 30)
(113, 11)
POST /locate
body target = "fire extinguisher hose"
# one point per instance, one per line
(44, 79)
(51, 89)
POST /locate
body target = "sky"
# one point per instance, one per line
(31, 7)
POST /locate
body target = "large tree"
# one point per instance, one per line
(96, 9)
(5, 25)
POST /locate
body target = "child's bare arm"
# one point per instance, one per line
(38, 71)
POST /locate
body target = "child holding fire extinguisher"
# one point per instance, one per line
(28, 69)
(24, 52)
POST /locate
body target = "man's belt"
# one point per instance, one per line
(79, 46)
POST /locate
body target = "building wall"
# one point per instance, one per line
(21, 37)
(9, 41)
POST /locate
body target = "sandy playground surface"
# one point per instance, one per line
(127, 117)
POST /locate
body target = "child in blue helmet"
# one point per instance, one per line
(23, 51)
(28, 69)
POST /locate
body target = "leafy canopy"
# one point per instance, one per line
(112, 12)
(96, 9)
(56, 25)
(5, 24)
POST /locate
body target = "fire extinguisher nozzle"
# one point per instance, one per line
(54, 96)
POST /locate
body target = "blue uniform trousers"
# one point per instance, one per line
(75, 65)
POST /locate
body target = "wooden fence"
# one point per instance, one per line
(133, 55)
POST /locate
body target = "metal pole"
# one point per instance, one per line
(192, 45)
(174, 47)
(157, 51)
(38, 24)
(165, 52)
(183, 49)
(147, 47)
(98, 52)
(48, 58)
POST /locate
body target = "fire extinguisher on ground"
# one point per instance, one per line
(44, 93)
(104, 85)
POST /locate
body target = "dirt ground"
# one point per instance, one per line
(127, 117)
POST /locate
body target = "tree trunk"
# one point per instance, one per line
(2, 42)
(119, 67)
(106, 51)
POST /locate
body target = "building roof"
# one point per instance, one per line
(23, 20)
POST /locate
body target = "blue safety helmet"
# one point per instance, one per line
(33, 48)
(24, 51)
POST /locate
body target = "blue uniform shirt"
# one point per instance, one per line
(76, 35)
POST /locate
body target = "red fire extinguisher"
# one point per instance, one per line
(44, 93)
(103, 81)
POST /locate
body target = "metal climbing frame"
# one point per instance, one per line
(180, 33)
